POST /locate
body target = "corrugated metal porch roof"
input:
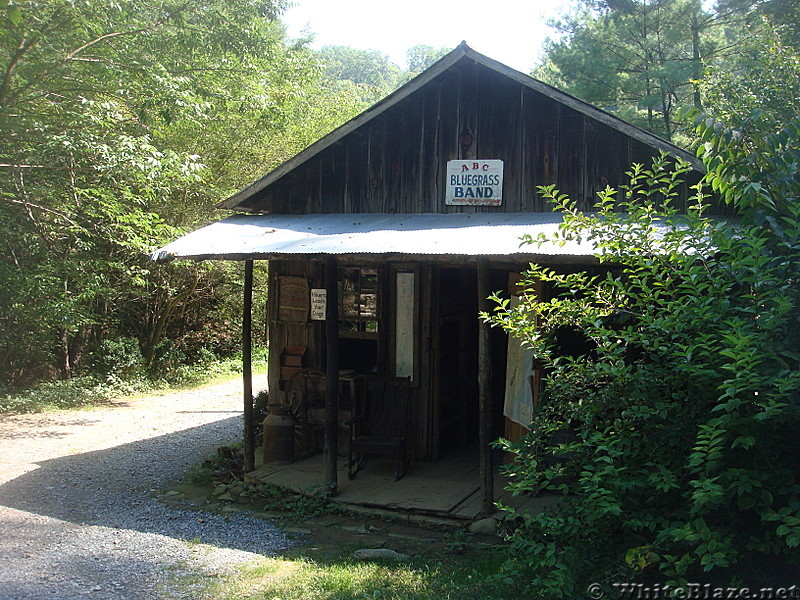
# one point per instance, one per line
(241, 237)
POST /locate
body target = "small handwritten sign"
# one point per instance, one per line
(319, 304)
(474, 183)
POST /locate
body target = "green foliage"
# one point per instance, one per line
(781, 13)
(637, 59)
(647, 61)
(762, 73)
(367, 76)
(120, 372)
(683, 405)
(120, 358)
(370, 71)
(291, 505)
(224, 471)
(122, 125)
(421, 56)
(78, 392)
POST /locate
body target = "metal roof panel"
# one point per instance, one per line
(460, 234)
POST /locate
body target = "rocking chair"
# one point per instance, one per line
(380, 425)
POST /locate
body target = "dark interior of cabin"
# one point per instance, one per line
(457, 364)
(358, 354)
(457, 358)
(445, 356)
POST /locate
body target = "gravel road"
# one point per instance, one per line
(77, 514)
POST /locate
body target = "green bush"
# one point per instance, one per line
(686, 403)
(66, 394)
(166, 360)
(119, 371)
(121, 358)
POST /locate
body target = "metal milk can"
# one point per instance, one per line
(279, 435)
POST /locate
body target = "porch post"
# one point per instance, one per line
(247, 369)
(484, 393)
(332, 374)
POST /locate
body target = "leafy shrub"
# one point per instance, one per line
(66, 394)
(119, 371)
(292, 505)
(686, 406)
(120, 357)
(167, 358)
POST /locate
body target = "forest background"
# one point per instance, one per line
(124, 123)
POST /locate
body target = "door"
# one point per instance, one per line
(455, 360)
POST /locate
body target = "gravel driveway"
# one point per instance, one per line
(77, 516)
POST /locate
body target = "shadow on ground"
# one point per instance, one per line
(117, 487)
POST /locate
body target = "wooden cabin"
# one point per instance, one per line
(386, 236)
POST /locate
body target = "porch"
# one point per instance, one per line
(447, 489)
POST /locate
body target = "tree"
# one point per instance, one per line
(784, 14)
(421, 56)
(637, 58)
(761, 74)
(116, 120)
(684, 405)
(370, 70)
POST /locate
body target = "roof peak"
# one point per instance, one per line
(448, 61)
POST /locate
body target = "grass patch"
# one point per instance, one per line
(75, 393)
(93, 390)
(443, 563)
(340, 577)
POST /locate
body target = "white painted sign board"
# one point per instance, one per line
(319, 303)
(474, 183)
(404, 333)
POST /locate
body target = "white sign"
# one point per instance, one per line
(474, 183)
(404, 328)
(319, 304)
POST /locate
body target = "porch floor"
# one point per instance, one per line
(448, 488)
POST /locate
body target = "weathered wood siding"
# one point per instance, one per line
(311, 334)
(281, 334)
(396, 162)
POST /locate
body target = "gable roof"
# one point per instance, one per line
(460, 55)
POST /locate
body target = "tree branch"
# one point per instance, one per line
(28, 204)
(22, 49)
(47, 72)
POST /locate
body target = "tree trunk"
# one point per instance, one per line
(76, 347)
(63, 355)
(696, 60)
(160, 326)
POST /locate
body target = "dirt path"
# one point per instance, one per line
(77, 514)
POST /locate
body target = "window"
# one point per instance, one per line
(358, 302)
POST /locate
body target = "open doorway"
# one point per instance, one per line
(457, 357)
(456, 325)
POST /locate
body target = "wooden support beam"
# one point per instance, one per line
(332, 375)
(485, 393)
(247, 369)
